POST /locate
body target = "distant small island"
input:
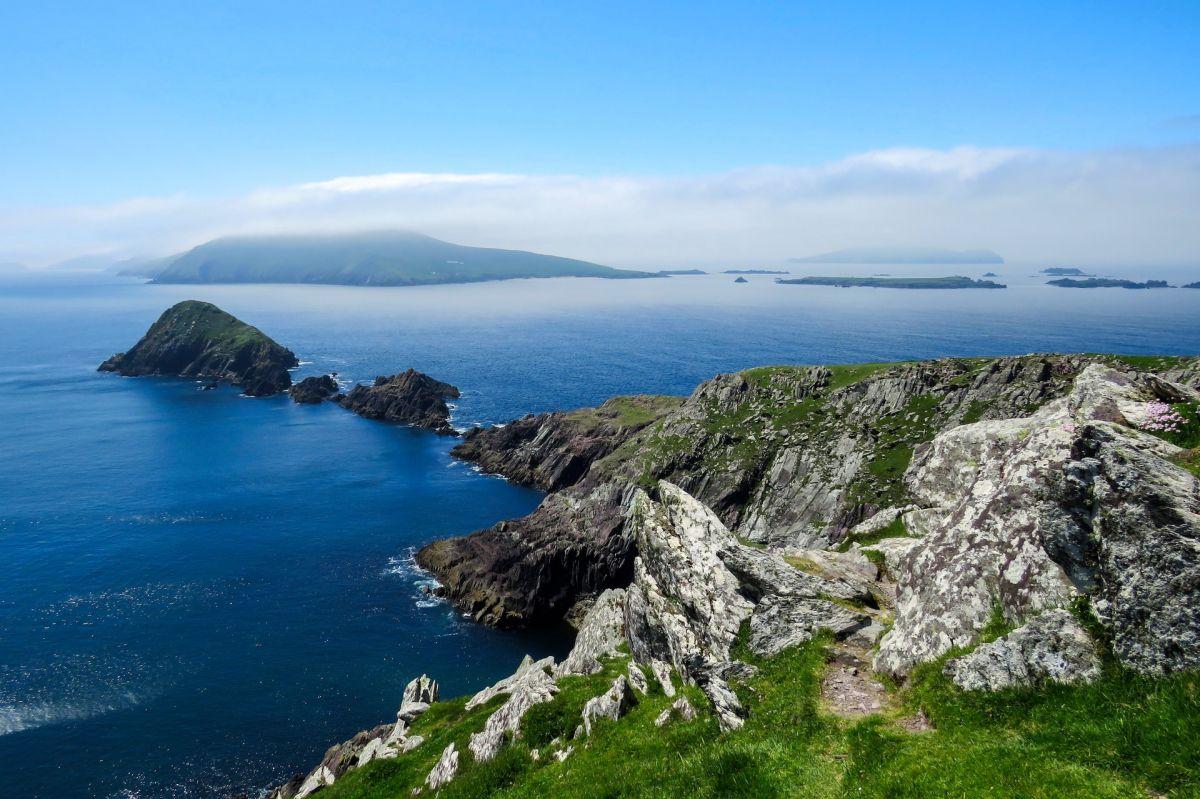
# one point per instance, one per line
(741, 279)
(670, 272)
(1064, 271)
(990, 274)
(1195, 285)
(755, 272)
(955, 282)
(1106, 283)
(380, 258)
(902, 255)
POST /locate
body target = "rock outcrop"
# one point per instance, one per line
(554, 450)
(410, 398)
(1023, 515)
(531, 685)
(612, 704)
(313, 390)
(1053, 647)
(695, 585)
(382, 742)
(198, 339)
(600, 634)
(785, 456)
(532, 570)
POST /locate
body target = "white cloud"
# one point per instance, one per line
(1102, 207)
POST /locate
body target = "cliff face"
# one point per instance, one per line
(554, 450)
(1054, 542)
(410, 398)
(198, 339)
(785, 456)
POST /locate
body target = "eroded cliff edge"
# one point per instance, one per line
(785, 456)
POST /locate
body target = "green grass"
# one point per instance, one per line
(1124, 736)
(895, 529)
(634, 411)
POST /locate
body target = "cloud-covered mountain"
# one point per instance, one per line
(381, 258)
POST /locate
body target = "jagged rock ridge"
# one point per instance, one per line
(785, 456)
(198, 339)
(410, 398)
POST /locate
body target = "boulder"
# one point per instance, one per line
(1052, 647)
(612, 704)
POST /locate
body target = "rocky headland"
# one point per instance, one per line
(199, 340)
(410, 398)
(787, 542)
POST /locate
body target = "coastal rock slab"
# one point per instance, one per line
(779, 622)
(1052, 647)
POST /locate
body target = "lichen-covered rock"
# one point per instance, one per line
(612, 704)
(410, 398)
(695, 584)
(681, 709)
(600, 633)
(444, 770)
(198, 339)
(662, 673)
(531, 685)
(1052, 647)
(779, 622)
(1025, 514)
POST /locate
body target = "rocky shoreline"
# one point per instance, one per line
(1034, 494)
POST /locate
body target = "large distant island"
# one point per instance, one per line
(955, 282)
(386, 258)
(901, 255)
(1107, 283)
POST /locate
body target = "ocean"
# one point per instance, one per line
(201, 592)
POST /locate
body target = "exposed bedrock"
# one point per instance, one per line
(1071, 504)
(532, 570)
(410, 398)
(554, 450)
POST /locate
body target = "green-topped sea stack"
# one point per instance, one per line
(198, 339)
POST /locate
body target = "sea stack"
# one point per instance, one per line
(198, 339)
(410, 398)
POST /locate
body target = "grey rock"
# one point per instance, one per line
(444, 770)
(531, 685)
(1052, 647)
(779, 622)
(681, 709)
(637, 679)
(662, 673)
(600, 633)
(612, 704)
(1028, 513)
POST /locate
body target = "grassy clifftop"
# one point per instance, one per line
(1125, 736)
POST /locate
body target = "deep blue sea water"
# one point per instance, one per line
(200, 592)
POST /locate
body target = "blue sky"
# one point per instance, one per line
(637, 134)
(102, 101)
